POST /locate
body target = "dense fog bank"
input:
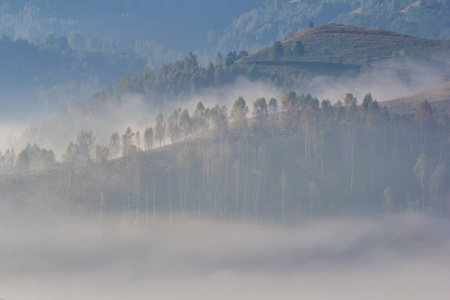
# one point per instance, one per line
(398, 257)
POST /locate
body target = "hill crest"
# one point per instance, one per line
(336, 28)
(336, 48)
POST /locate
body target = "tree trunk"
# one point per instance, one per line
(154, 197)
(352, 164)
(283, 187)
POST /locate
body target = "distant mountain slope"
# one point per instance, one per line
(333, 49)
(212, 25)
(50, 73)
(273, 20)
(177, 24)
(329, 50)
(438, 97)
(424, 18)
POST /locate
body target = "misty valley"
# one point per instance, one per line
(288, 197)
(267, 150)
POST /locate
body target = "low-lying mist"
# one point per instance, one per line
(397, 257)
(385, 81)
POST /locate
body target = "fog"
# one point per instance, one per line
(242, 87)
(384, 82)
(397, 257)
(57, 130)
(9, 134)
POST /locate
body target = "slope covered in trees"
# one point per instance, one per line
(291, 159)
(334, 50)
(168, 22)
(219, 25)
(52, 61)
(53, 70)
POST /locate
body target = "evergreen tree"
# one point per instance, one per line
(276, 51)
(298, 49)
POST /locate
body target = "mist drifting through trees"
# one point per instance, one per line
(302, 160)
(277, 179)
(227, 155)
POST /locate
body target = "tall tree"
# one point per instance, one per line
(350, 129)
(421, 171)
(101, 157)
(199, 118)
(260, 111)
(219, 59)
(185, 124)
(349, 100)
(84, 146)
(273, 109)
(148, 138)
(291, 107)
(350, 103)
(276, 50)
(424, 116)
(160, 129)
(367, 101)
(138, 140)
(298, 49)
(173, 126)
(127, 141)
(114, 145)
(437, 188)
(231, 58)
(239, 113)
(283, 195)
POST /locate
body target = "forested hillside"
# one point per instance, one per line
(220, 25)
(54, 72)
(224, 149)
(169, 22)
(63, 52)
(287, 160)
(313, 158)
(328, 51)
(52, 61)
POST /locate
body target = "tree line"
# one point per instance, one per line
(32, 157)
(288, 160)
(179, 79)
